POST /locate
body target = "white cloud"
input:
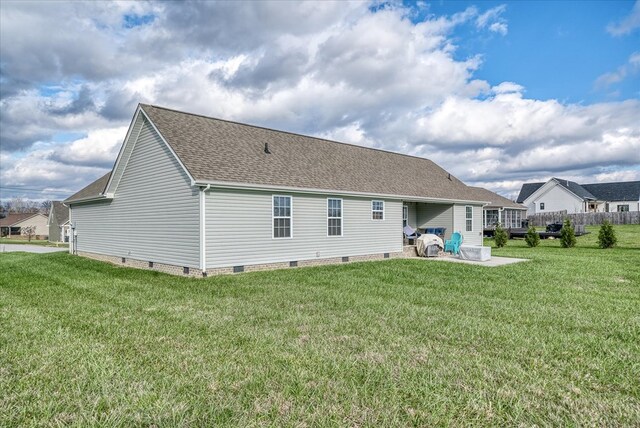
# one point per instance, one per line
(493, 20)
(622, 175)
(507, 87)
(628, 24)
(323, 68)
(499, 27)
(98, 149)
(508, 119)
(37, 170)
(631, 68)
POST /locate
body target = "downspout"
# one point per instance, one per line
(203, 229)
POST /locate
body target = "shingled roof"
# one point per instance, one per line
(495, 200)
(93, 190)
(220, 151)
(617, 191)
(14, 218)
(61, 212)
(620, 191)
(575, 188)
(527, 190)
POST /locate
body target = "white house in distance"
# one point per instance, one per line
(15, 225)
(558, 195)
(197, 195)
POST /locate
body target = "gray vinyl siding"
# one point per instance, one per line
(239, 229)
(459, 220)
(412, 219)
(154, 215)
(435, 215)
(126, 153)
(54, 229)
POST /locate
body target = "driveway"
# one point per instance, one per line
(30, 248)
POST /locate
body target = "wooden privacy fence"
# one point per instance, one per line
(542, 219)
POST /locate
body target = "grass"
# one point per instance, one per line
(42, 242)
(553, 341)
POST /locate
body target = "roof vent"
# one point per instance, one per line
(266, 148)
(449, 176)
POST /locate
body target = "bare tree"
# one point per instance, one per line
(19, 205)
(45, 207)
(28, 231)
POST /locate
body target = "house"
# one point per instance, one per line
(197, 195)
(58, 222)
(14, 224)
(500, 210)
(559, 194)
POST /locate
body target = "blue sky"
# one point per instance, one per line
(498, 93)
(555, 49)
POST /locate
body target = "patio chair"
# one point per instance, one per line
(410, 233)
(453, 244)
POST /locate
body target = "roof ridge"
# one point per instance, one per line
(611, 182)
(297, 134)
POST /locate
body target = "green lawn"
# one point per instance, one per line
(551, 342)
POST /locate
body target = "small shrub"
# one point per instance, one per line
(532, 238)
(607, 236)
(567, 235)
(500, 236)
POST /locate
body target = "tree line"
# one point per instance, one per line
(19, 205)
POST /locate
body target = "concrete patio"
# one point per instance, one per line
(494, 262)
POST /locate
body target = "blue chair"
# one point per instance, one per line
(454, 243)
(439, 231)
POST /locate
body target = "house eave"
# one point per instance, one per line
(269, 187)
(90, 199)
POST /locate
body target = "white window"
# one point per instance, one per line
(623, 208)
(281, 216)
(405, 216)
(377, 210)
(491, 218)
(334, 217)
(469, 218)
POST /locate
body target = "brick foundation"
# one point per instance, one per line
(140, 264)
(410, 251)
(197, 273)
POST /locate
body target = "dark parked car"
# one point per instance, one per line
(554, 227)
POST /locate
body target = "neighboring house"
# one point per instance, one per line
(14, 224)
(204, 195)
(59, 222)
(500, 210)
(558, 195)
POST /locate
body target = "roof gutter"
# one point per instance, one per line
(269, 187)
(89, 199)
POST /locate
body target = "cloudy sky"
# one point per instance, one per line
(498, 93)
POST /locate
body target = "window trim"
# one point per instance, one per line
(487, 217)
(377, 211)
(541, 206)
(619, 206)
(273, 217)
(333, 218)
(466, 219)
(405, 219)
